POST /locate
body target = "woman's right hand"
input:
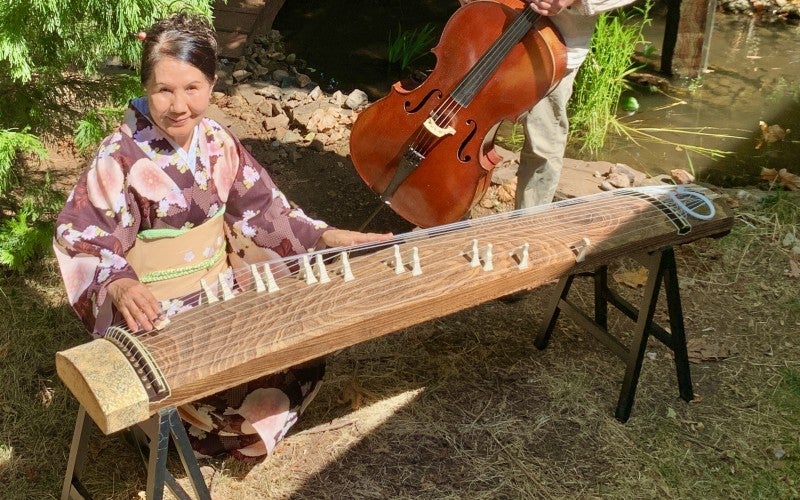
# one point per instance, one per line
(135, 302)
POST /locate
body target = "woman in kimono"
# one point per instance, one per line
(172, 197)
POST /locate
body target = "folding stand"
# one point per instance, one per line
(661, 268)
(160, 427)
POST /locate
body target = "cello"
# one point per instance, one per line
(427, 151)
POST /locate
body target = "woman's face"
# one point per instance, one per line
(178, 95)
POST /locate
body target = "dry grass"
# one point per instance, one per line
(466, 407)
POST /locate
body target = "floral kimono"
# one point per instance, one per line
(140, 183)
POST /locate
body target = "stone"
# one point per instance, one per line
(356, 100)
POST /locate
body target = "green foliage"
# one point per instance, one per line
(11, 144)
(54, 67)
(601, 79)
(49, 48)
(24, 237)
(513, 139)
(409, 46)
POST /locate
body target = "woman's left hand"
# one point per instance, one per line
(345, 238)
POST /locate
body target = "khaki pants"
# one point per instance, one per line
(546, 128)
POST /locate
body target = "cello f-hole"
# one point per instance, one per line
(433, 93)
(462, 155)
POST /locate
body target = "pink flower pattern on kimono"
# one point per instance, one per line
(104, 183)
(265, 411)
(150, 181)
(77, 272)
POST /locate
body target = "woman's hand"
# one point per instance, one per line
(135, 302)
(345, 238)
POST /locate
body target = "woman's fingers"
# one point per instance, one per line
(135, 302)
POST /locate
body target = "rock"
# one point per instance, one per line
(270, 92)
(681, 176)
(356, 100)
(618, 180)
(633, 175)
(279, 75)
(241, 75)
(302, 80)
(276, 122)
(292, 137)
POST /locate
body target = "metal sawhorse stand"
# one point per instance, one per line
(661, 268)
(158, 430)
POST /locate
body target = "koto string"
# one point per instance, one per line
(209, 345)
(244, 279)
(260, 298)
(289, 327)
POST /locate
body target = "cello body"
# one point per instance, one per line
(426, 150)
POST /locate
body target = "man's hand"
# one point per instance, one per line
(543, 7)
(549, 7)
(135, 302)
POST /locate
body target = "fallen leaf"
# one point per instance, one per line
(633, 279)
(786, 179)
(702, 350)
(770, 133)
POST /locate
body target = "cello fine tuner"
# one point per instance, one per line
(580, 248)
(520, 254)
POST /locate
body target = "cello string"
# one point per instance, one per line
(616, 234)
(492, 59)
(321, 310)
(244, 279)
(487, 64)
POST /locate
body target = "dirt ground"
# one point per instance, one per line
(466, 407)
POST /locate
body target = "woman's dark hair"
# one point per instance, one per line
(185, 37)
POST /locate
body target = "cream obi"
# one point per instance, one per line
(171, 262)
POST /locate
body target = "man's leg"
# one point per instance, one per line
(542, 156)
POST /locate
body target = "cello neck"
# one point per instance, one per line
(488, 63)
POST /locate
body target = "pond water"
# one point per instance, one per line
(753, 75)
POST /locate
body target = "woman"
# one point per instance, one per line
(172, 197)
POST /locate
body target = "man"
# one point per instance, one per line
(546, 125)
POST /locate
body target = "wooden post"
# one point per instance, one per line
(687, 37)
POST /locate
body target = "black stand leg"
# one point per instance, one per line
(158, 431)
(661, 270)
(73, 488)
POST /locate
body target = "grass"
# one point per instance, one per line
(601, 79)
(406, 47)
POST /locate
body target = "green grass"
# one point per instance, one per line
(406, 47)
(601, 79)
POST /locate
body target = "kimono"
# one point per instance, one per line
(140, 183)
